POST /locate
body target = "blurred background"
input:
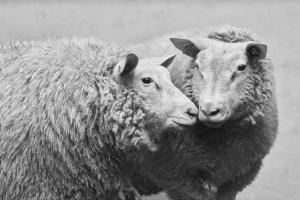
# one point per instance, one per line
(275, 22)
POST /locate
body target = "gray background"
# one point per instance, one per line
(276, 22)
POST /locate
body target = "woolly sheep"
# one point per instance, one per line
(72, 113)
(228, 76)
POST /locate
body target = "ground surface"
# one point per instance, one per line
(278, 23)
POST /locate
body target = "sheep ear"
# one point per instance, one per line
(256, 50)
(125, 66)
(167, 62)
(186, 46)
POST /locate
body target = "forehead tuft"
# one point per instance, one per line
(221, 54)
(151, 69)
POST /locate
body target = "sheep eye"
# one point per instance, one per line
(147, 80)
(196, 66)
(241, 67)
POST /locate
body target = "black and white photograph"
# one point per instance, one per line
(149, 100)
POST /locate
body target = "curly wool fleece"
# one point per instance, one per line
(65, 124)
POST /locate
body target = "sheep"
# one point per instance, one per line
(73, 113)
(228, 76)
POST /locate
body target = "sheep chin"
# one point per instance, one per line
(212, 124)
(177, 123)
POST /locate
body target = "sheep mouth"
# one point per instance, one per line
(182, 121)
(214, 121)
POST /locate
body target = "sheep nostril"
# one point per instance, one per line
(215, 112)
(192, 112)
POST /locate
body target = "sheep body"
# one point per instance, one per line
(229, 156)
(65, 124)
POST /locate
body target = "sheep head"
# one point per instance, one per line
(150, 79)
(226, 79)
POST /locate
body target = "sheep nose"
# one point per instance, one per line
(210, 110)
(213, 114)
(192, 111)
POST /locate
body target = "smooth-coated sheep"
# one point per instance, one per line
(229, 78)
(71, 114)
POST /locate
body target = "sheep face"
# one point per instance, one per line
(224, 77)
(151, 80)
